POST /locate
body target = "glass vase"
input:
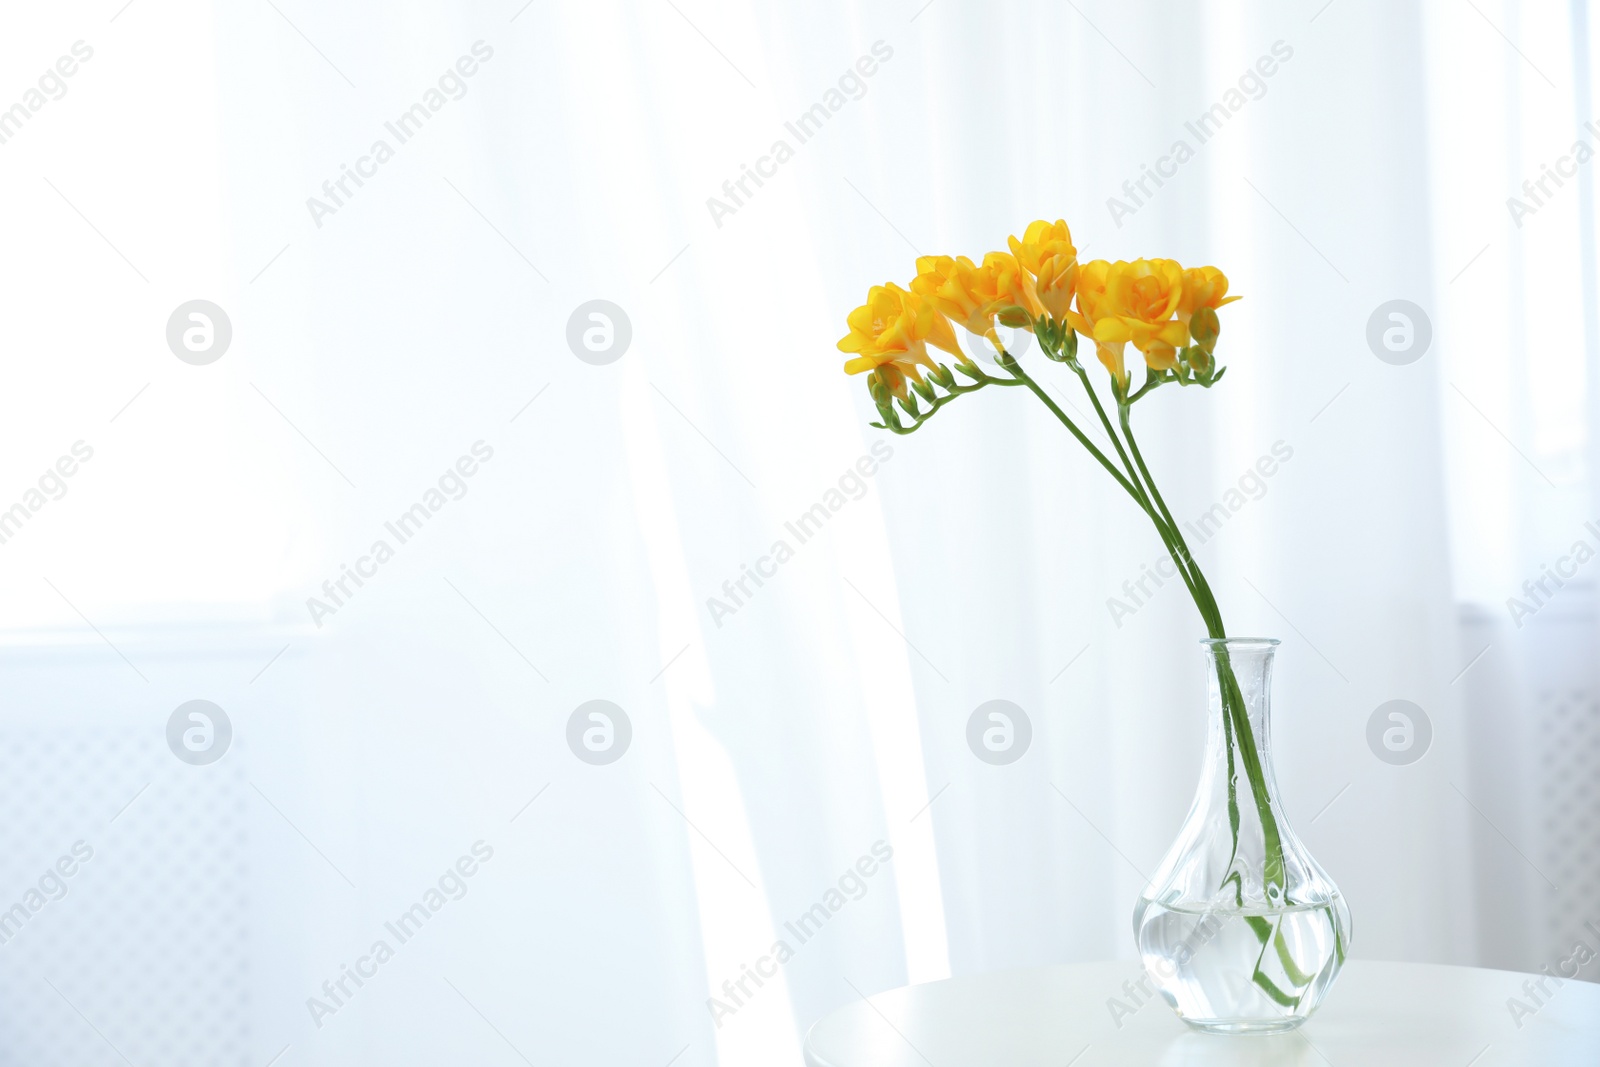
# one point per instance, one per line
(1240, 930)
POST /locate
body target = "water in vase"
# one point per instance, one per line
(1253, 969)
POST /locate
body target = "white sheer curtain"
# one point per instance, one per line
(1512, 140)
(776, 744)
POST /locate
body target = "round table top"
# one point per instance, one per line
(1376, 1015)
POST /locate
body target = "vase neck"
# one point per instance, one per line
(1245, 663)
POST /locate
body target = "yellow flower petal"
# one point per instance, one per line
(1114, 330)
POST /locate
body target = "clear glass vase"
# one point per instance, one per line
(1240, 930)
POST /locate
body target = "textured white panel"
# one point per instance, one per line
(140, 953)
(1569, 729)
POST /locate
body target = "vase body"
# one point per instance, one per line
(1240, 930)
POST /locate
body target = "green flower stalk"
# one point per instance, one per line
(1169, 316)
(1133, 475)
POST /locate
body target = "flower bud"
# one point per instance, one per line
(1015, 318)
(1204, 328)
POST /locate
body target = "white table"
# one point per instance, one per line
(1376, 1015)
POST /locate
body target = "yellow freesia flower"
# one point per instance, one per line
(1155, 304)
(1046, 252)
(896, 326)
(970, 294)
(1008, 284)
(1204, 290)
(1141, 302)
(1090, 294)
(952, 286)
(1203, 287)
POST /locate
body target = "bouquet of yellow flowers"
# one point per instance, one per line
(1167, 313)
(1254, 877)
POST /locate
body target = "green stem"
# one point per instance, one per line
(1232, 696)
(1150, 382)
(1237, 730)
(1011, 365)
(1141, 486)
(953, 390)
(1100, 410)
(1204, 600)
(1164, 526)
